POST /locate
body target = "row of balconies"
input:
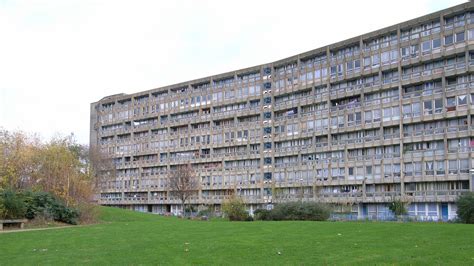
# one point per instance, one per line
(287, 151)
(370, 141)
(390, 178)
(317, 162)
(412, 75)
(394, 99)
(370, 70)
(279, 182)
(451, 132)
(348, 197)
(295, 116)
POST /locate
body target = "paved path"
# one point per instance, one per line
(40, 229)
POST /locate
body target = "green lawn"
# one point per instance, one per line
(127, 237)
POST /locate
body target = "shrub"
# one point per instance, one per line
(12, 205)
(48, 206)
(398, 207)
(234, 209)
(205, 212)
(263, 214)
(88, 213)
(465, 210)
(311, 211)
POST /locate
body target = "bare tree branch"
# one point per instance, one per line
(183, 183)
(101, 168)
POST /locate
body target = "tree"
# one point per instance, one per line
(100, 167)
(17, 159)
(57, 166)
(183, 183)
(234, 209)
(398, 207)
(465, 210)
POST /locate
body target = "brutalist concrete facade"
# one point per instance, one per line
(359, 123)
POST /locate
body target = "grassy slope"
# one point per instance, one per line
(128, 237)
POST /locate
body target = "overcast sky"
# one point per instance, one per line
(56, 57)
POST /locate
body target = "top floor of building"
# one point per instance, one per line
(442, 30)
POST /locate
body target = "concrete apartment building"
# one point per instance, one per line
(359, 123)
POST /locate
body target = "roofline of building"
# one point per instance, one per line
(320, 50)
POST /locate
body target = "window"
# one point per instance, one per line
(349, 66)
(387, 114)
(324, 72)
(267, 130)
(416, 107)
(449, 39)
(268, 161)
(405, 52)
(340, 69)
(377, 115)
(357, 64)
(440, 167)
(450, 102)
(267, 176)
(426, 46)
(387, 170)
(351, 171)
(453, 166)
(317, 74)
(368, 170)
(408, 169)
(460, 37)
(421, 210)
(432, 209)
(414, 49)
(267, 100)
(406, 110)
(267, 115)
(436, 43)
(368, 116)
(268, 145)
(429, 168)
(428, 107)
(385, 57)
(394, 55)
(375, 60)
(462, 99)
(464, 165)
(438, 105)
(367, 62)
(471, 34)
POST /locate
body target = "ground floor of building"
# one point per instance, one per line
(420, 211)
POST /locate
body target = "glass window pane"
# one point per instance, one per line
(448, 39)
(426, 46)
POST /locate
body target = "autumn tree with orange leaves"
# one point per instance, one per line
(59, 166)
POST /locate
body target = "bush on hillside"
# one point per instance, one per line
(465, 210)
(47, 206)
(234, 209)
(309, 211)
